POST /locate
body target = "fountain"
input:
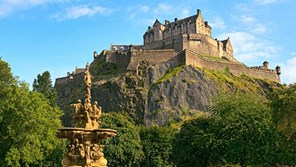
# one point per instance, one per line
(86, 135)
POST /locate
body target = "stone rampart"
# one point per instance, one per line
(120, 58)
(153, 57)
(191, 58)
(61, 81)
(129, 60)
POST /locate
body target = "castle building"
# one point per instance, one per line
(189, 33)
(187, 41)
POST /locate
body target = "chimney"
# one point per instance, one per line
(167, 22)
(95, 54)
(198, 11)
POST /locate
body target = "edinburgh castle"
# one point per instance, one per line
(185, 41)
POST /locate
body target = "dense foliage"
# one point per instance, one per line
(28, 124)
(244, 130)
(157, 145)
(125, 149)
(43, 85)
(194, 144)
(283, 102)
(241, 130)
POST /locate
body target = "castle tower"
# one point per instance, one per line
(265, 65)
(158, 31)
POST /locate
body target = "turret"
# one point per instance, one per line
(278, 70)
(265, 65)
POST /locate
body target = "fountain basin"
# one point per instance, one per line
(99, 134)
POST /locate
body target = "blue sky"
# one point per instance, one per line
(57, 35)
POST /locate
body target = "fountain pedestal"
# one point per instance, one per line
(85, 148)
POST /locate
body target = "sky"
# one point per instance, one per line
(58, 35)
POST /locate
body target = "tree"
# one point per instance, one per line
(157, 145)
(239, 130)
(244, 129)
(6, 77)
(28, 124)
(43, 85)
(194, 145)
(124, 149)
(283, 103)
(6, 80)
(28, 127)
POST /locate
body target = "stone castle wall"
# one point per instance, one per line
(153, 57)
(237, 69)
(129, 60)
(62, 81)
(201, 44)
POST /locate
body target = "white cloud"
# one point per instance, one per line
(9, 6)
(293, 53)
(247, 19)
(144, 9)
(259, 29)
(252, 24)
(185, 13)
(81, 11)
(132, 16)
(265, 2)
(247, 47)
(163, 7)
(289, 71)
(218, 23)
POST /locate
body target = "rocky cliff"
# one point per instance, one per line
(155, 94)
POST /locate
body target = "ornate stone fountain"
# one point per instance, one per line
(84, 149)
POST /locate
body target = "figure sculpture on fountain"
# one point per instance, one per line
(86, 115)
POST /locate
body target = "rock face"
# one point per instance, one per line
(155, 94)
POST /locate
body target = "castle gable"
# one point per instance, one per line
(156, 24)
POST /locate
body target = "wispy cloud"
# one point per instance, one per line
(81, 11)
(145, 8)
(265, 2)
(247, 19)
(289, 70)
(248, 47)
(252, 24)
(9, 6)
(185, 13)
(218, 23)
(162, 7)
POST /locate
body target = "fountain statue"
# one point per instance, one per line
(84, 138)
